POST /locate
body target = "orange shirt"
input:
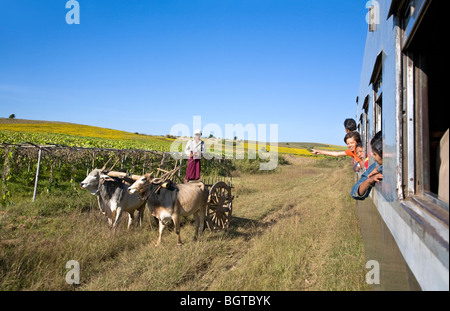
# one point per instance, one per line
(353, 155)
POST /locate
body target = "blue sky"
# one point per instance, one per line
(145, 65)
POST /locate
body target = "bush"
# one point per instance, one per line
(252, 166)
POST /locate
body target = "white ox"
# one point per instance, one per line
(113, 197)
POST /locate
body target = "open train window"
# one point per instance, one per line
(426, 51)
(377, 84)
(378, 114)
(364, 124)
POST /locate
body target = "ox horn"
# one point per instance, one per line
(157, 181)
(136, 177)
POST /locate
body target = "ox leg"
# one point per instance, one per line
(130, 219)
(118, 215)
(197, 224)
(161, 230)
(140, 216)
(202, 216)
(176, 222)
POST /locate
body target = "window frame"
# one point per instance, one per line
(364, 124)
(376, 81)
(416, 136)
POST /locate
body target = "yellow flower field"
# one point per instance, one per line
(42, 132)
(281, 150)
(73, 129)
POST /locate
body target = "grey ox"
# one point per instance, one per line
(113, 197)
(168, 201)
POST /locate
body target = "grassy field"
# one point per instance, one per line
(294, 229)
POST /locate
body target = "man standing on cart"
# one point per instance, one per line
(195, 148)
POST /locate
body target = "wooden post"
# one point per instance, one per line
(6, 163)
(37, 174)
(93, 161)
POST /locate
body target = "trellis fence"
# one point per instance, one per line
(68, 162)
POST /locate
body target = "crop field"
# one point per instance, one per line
(46, 132)
(42, 132)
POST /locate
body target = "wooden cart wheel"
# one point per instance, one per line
(219, 207)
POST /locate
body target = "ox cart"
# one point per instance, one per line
(219, 205)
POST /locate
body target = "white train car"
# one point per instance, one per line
(402, 92)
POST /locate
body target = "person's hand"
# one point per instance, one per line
(191, 155)
(374, 172)
(375, 177)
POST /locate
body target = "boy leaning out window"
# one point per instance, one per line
(374, 174)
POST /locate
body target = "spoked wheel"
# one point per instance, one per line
(219, 207)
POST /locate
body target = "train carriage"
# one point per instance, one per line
(405, 220)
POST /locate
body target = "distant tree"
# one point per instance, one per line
(211, 136)
(12, 116)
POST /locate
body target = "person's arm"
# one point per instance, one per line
(362, 188)
(355, 189)
(329, 153)
(374, 177)
(361, 165)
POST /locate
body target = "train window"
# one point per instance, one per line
(378, 119)
(426, 52)
(377, 83)
(378, 106)
(364, 124)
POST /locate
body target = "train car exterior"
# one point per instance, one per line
(404, 222)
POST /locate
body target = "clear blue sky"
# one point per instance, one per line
(145, 65)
